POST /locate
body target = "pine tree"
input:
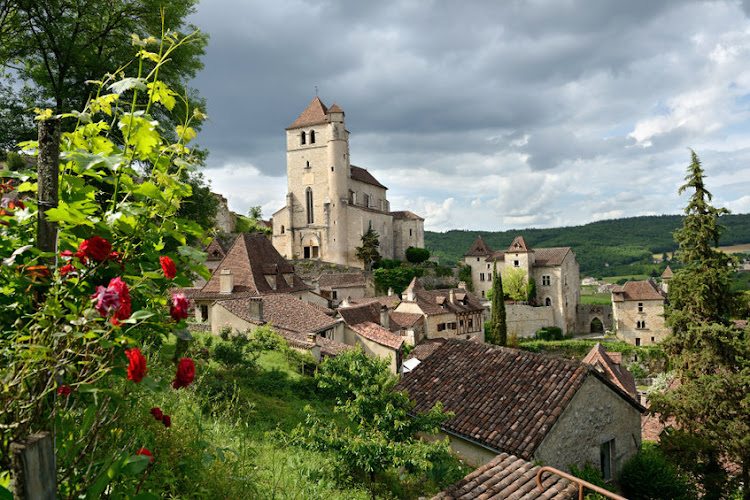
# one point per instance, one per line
(711, 357)
(499, 327)
(368, 252)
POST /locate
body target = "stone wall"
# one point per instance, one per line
(524, 320)
(594, 416)
(225, 221)
(627, 316)
(587, 313)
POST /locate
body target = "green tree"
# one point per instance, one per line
(711, 357)
(368, 252)
(397, 278)
(464, 274)
(499, 326)
(381, 426)
(417, 255)
(515, 282)
(531, 292)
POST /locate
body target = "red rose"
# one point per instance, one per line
(124, 311)
(167, 265)
(137, 367)
(144, 451)
(64, 390)
(157, 413)
(95, 248)
(107, 300)
(166, 420)
(66, 269)
(179, 308)
(67, 254)
(185, 373)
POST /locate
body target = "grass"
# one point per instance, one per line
(596, 299)
(632, 277)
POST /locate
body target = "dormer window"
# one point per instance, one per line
(302, 139)
(312, 137)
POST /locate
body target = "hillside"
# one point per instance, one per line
(604, 248)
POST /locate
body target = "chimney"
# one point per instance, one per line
(462, 285)
(226, 281)
(410, 294)
(390, 291)
(385, 320)
(452, 296)
(311, 337)
(256, 309)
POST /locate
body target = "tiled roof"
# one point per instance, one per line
(251, 259)
(637, 290)
(363, 313)
(215, 250)
(405, 215)
(399, 320)
(503, 398)
(376, 333)
(283, 311)
(362, 175)
(433, 302)
(552, 256)
(479, 249)
(389, 301)
(519, 245)
(425, 348)
(508, 477)
(667, 273)
(314, 114)
(335, 109)
(609, 365)
(340, 280)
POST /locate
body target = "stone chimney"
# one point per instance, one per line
(311, 337)
(226, 281)
(452, 296)
(385, 319)
(410, 294)
(462, 285)
(256, 309)
(390, 291)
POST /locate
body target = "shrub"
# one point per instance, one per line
(15, 162)
(549, 333)
(443, 272)
(228, 354)
(387, 264)
(649, 475)
(417, 255)
(637, 371)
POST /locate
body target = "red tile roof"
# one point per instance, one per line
(362, 313)
(479, 249)
(215, 250)
(335, 109)
(425, 348)
(503, 398)
(508, 477)
(283, 311)
(399, 320)
(667, 273)
(609, 365)
(637, 290)
(376, 333)
(365, 320)
(362, 175)
(519, 246)
(340, 280)
(434, 302)
(251, 259)
(314, 114)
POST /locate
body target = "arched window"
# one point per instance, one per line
(547, 301)
(309, 206)
(312, 137)
(302, 138)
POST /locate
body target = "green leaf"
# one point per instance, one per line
(149, 190)
(145, 496)
(136, 464)
(161, 93)
(127, 84)
(5, 494)
(142, 314)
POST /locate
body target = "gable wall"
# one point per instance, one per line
(626, 317)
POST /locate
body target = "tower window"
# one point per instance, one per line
(308, 165)
(547, 302)
(640, 307)
(282, 229)
(309, 206)
(312, 137)
(546, 281)
(302, 138)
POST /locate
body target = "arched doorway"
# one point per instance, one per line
(596, 326)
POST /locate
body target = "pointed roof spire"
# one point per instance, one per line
(519, 245)
(479, 248)
(314, 114)
(667, 274)
(335, 109)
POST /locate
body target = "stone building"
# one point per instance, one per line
(638, 309)
(331, 203)
(537, 407)
(368, 325)
(555, 271)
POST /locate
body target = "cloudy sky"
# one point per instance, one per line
(487, 115)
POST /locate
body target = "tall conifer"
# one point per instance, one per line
(499, 327)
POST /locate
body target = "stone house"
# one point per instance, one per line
(338, 286)
(368, 325)
(555, 271)
(537, 407)
(638, 309)
(609, 364)
(452, 313)
(331, 203)
(408, 326)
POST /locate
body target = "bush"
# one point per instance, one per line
(549, 333)
(637, 371)
(417, 255)
(387, 264)
(443, 272)
(15, 162)
(649, 475)
(228, 354)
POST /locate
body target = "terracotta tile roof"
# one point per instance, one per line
(479, 249)
(637, 290)
(433, 302)
(314, 114)
(508, 477)
(425, 348)
(609, 365)
(399, 320)
(341, 280)
(389, 301)
(667, 273)
(251, 259)
(379, 334)
(519, 245)
(363, 313)
(215, 250)
(283, 311)
(503, 398)
(552, 256)
(405, 215)
(335, 109)
(362, 175)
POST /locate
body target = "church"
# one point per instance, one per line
(331, 203)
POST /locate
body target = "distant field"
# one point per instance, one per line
(630, 277)
(596, 299)
(736, 248)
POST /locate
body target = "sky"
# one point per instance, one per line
(487, 115)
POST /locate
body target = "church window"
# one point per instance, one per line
(409, 232)
(282, 229)
(302, 138)
(547, 301)
(546, 281)
(331, 169)
(309, 206)
(312, 137)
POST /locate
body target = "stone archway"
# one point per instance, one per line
(596, 326)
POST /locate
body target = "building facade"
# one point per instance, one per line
(331, 203)
(638, 309)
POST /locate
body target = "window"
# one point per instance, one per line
(441, 327)
(547, 302)
(488, 266)
(451, 326)
(606, 452)
(482, 293)
(489, 276)
(653, 339)
(302, 138)
(282, 229)
(204, 313)
(546, 281)
(471, 323)
(307, 165)
(460, 322)
(640, 307)
(481, 276)
(312, 137)
(334, 295)
(637, 341)
(409, 232)
(477, 259)
(309, 196)
(515, 263)
(367, 200)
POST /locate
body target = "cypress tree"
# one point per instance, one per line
(499, 327)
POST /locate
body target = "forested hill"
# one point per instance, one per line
(604, 248)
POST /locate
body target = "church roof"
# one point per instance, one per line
(479, 249)
(405, 215)
(314, 114)
(362, 175)
(335, 109)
